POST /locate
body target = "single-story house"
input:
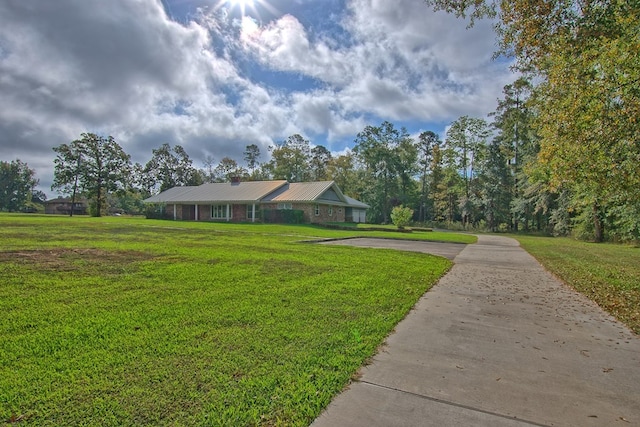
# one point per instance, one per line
(62, 206)
(245, 201)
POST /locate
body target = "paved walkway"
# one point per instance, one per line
(498, 342)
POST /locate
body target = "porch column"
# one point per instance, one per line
(175, 212)
(227, 212)
(196, 213)
(253, 213)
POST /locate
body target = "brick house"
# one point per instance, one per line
(62, 206)
(250, 201)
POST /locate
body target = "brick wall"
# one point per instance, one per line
(337, 213)
(239, 212)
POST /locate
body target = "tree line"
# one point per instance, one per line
(481, 176)
(560, 154)
(581, 115)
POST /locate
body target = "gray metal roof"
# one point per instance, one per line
(356, 203)
(306, 192)
(258, 191)
(169, 195)
(250, 191)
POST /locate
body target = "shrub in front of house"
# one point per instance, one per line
(283, 216)
(401, 216)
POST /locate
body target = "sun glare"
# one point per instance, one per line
(242, 4)
(247, 7)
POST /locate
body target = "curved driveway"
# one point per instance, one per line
(447, 250)
(498, 342)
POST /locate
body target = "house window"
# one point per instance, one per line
(285, 206)
(219, 212)
(330, 210)
(250, 211)
(317, 210)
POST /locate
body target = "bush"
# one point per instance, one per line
(283, 216)
(156, 211)
(401, 216)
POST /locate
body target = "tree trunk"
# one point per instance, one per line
(598, 226)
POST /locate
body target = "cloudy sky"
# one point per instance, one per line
(215, 76)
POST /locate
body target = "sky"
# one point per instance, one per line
(215, 76)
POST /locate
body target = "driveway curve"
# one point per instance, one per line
(447, 250)
(498, 342)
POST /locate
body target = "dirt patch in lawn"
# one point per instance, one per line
(65, 259)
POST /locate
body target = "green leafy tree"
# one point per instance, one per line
(290, 159)
(168, 168)
(494, 187)
(341, 169)
(428, 142)
(406, 157)
(228, 169)
(95, 164)
(17, 182)
(401, 216)
(584, 56)
(252, 157)
(377, 149)
(518, 142)
(466, 142)
(447, 186)
(320, 158)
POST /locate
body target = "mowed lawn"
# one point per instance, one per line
(120, 321)
(607, 273)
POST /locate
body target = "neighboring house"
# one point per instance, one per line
(62, 206)
(249, 201)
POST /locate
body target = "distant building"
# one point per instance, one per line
(251, 201)
(62, 206)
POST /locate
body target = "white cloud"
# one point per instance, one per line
(125, 68)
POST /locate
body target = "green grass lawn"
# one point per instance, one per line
(609, 274)
(120, 321)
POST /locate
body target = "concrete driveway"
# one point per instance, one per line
(498, 342)
(447, 250)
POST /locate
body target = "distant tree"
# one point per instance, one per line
(583, 56)
(427, 142)
(406, 166)
(252, 157)
(466, 140)
(447, 185)
(518, 142)
(434, 183)
(290, 159)
(341, 169)
(263, 172)
(17, 182)
(494, 186)
(168, 168)
(320, 158)
(227, 169)
(95, 164)
(38, 196)
(209, 167)
(129, 201)
(377, 149)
